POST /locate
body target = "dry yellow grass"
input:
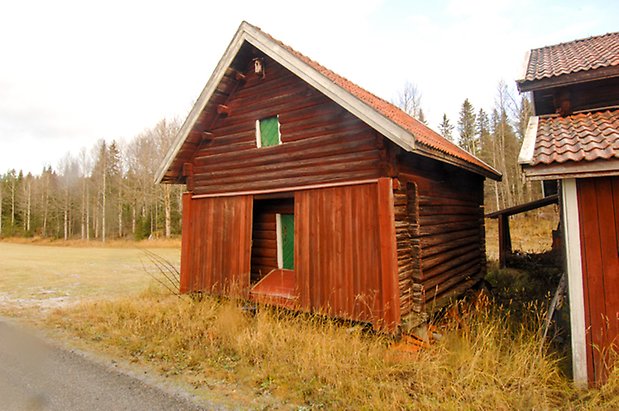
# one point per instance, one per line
(487, 360)
(489, 363)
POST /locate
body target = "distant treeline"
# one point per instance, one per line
(109, 192)
(494, 137)
(104, 192)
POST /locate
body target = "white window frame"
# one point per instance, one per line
(280, 248)
(259, 137)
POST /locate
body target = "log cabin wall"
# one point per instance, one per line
(264, 235)
(446, 225)
(410, 290)
(321, 142)
(431, 220)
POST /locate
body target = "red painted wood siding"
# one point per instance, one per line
(322, 142)
(598, 209)
(345, 252)
(216, 244)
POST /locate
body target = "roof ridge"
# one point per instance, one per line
(386, 118)
(429, 137)
(339, 75)
(577, 40)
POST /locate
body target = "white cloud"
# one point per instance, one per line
(72, 72)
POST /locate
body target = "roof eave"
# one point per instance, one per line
(339, 95)
(571, 169)
(525, 67)
(567, 79)
(487, 171)
(205, 96)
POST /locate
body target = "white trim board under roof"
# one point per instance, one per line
(528, 144)
(282, 55)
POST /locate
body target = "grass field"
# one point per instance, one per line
(45, 276)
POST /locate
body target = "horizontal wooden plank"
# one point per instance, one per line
(448, 227)
(336, 165)
(433, 261)
(264, 234)
(286, 164)
(450, 244)
(270, 154)
(454, 262)
(290, 182)
(441, 238)
(264, 243)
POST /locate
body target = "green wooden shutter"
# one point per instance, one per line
(287, 227)
(269, 132)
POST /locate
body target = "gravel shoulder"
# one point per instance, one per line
(36, 374)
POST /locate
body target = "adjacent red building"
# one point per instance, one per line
(306, 191)
(574, 138)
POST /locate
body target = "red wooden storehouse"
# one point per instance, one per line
(305, 190)
(574, 137)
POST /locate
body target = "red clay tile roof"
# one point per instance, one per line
(423, 134)
(574, 56)
(579, 137)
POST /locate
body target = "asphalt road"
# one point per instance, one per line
(37, 375)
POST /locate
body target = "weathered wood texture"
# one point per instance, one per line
(446, 220)
(264, 245)
(322, 142)
(343, 268)
(406, 208)
(598, 209)
(583, 96)
(216, 245)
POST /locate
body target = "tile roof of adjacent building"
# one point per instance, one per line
(580, 137)
(422, 133)
(572, 57)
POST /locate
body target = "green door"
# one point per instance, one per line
(287, 227)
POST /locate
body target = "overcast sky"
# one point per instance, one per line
(72, 72)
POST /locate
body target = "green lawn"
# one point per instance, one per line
(48, 276)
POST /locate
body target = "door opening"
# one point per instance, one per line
(272, 260)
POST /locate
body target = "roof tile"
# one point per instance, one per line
(579, 137)
(574, 56)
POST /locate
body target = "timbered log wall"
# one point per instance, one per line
(264, 235)
(409, 252)
(362, 251)
(322, 142)
(446, 230)
(264, 245)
